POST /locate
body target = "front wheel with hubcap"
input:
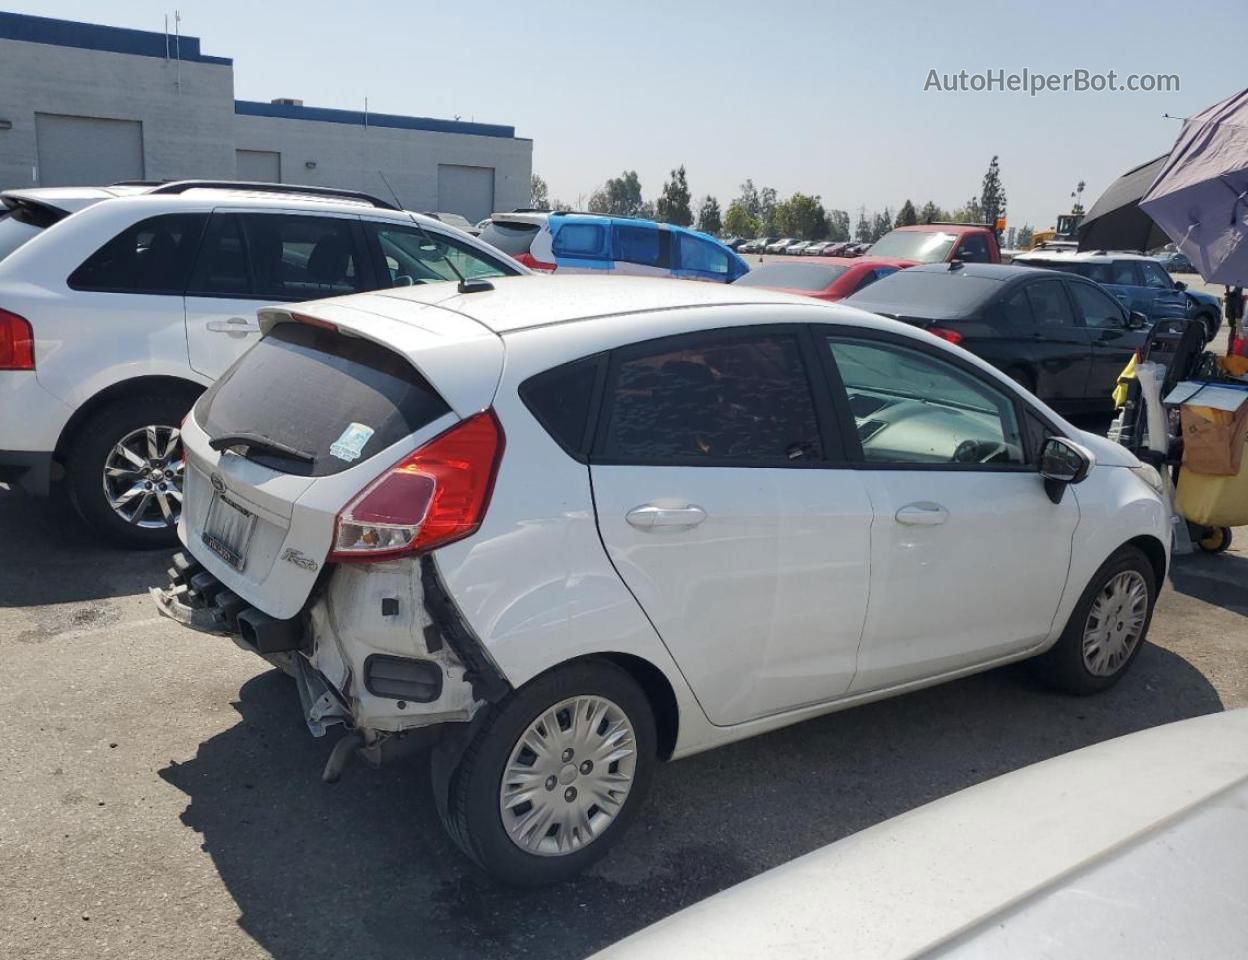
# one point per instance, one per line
(1107, 627)
(125, 470)
(554, 776)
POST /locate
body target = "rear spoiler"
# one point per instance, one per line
(37, 213)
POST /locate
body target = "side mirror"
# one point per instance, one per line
(1136, 320)
(1061, 464)
(1180, 285)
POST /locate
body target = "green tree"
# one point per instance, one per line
(748, 198)
(972, 212)
(862, 232)
(539, 194)
(673, 203)
(802, 216)
(1077, 207)
(932, 213)
(907, 216)
(767, 211)
(618, 197)
(992, 195)
(1025, 234)
(709, 220)
(881, 223)
(738, 220)
(838, 225)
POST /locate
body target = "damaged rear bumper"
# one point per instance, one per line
(379, 648)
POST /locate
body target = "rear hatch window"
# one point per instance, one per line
(22, 222)
(512, 238)
(317, 401)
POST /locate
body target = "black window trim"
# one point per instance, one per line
(833, 454)
(600, 361)
(848, 428)
(363, 259)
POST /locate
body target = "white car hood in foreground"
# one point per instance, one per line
(1133, 848)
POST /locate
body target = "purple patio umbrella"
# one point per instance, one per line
(1200, 197)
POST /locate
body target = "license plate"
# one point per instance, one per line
(228, 530)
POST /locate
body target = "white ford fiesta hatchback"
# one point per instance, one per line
(565, 529)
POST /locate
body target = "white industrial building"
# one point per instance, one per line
(82, 104)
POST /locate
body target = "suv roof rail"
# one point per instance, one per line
(181, 186)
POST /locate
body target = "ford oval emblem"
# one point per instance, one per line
(217, 483)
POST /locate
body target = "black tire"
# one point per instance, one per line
(1064, 665)
(88, 453)
(1023, 378)
(470, 806)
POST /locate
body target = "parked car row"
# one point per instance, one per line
(555, 530)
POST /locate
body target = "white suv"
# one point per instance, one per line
(571, 527)
(126, 303)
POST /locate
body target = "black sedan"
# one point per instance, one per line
(1062, 337)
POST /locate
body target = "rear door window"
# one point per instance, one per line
(1049, 304)
(644, 245)
(716, 398)
(153, 257)
(1015, 310)
(308, 388)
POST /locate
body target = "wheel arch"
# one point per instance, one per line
(659, 692)
(123, 390)
(1155, 550)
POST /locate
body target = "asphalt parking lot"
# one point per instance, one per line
(161, 795)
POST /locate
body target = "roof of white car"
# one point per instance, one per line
(1086, 256)
(75, 198)
(518, 303)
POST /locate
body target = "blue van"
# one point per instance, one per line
(590, 243)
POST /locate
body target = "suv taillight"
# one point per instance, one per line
(533, 263)
(17, 342)
(950, 336)
(436, 495)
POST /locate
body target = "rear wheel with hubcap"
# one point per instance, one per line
(1107, 627)
(125, 470)
(554, 776)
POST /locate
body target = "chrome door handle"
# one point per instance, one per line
(235, 325)
(924, 513)
(648, 517)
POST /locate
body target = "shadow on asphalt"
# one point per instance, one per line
(363, 870)
(1219, 579)
(48, 555)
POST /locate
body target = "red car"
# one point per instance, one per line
(825, 278)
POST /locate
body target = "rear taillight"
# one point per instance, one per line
(314, 322)
(433, 497)
(533, 263)
(952, 336)
(17, 342)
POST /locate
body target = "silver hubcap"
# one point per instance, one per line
(1115, 623)
(143, 477)
(568, 777)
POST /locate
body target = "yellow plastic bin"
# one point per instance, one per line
(1214, 501)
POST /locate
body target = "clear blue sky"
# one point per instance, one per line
(824, 97)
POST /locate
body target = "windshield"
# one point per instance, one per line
(921, 245)
(792, 276)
